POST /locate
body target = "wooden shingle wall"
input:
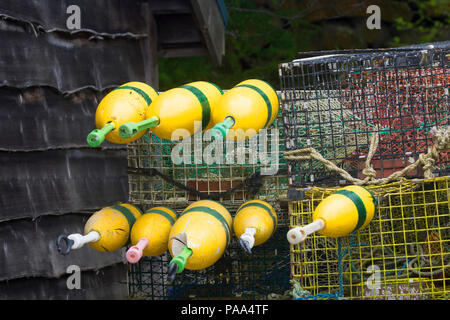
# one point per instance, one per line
(51, 80)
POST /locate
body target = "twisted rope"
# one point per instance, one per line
(441, 143)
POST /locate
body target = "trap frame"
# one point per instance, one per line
(155, 180)
(236, 275)
(335, 103)
(404, 253)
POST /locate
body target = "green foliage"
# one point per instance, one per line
(257, 40)
(430, 23)
(262, 34)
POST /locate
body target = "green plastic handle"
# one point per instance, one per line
(97, 136)
(223, 127)
(181, 259)
(131, 129)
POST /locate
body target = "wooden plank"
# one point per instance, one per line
(177, 29)
(39, 118)
(151, 48)
(106, 283)
(55, 182)
(211, 24)
(198, 50)
(170, 7)
(36, 240)
(65, 63)
(103, 18)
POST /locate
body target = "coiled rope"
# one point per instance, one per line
(441, 143)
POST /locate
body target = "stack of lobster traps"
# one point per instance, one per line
(377, 118)
(156, 178)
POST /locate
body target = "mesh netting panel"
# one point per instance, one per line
(404, 253)
(335, 103)
(238, 163)
(236, 274)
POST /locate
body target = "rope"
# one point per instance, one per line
(441, 143)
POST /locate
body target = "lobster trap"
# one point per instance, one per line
(241, 171)
(238, 171)
(236, 275)
(403, 254)
(335, 103)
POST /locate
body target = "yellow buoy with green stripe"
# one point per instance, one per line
(106, 230)
(246, 108)
(188, 107)
(346, 210)
(199, 237)
(254, 223)
(150, 233)
(127, 103)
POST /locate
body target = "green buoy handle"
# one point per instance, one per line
(131, 129)
(178, 262)
(97, 136)
(223, 127)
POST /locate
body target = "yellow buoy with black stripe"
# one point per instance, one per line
(254, 223)
(150, 233)
(127, 103)
(246, 108)
(179, 109)
(199, 237)
(106, 230)
(346, 210)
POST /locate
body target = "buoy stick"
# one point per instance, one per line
(178, 262)
(223, 127)
(131, 129)
(134, 254)
(97, 136)
(247, 239)
(299, 234)
(76, 241)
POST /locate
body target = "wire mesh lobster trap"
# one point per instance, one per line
(241, 171)
(236, 176)
(404, 253)
(236, 275)
(333, 105)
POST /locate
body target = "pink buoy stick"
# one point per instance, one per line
(134, 254)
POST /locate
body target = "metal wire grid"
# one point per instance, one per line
(335, 103)
(153, 152)
(236, 275)
(406, 247)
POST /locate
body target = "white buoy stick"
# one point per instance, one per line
(299, 234)
(80, 240)
(249, 236)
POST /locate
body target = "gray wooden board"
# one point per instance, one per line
(107, 283)
(65, 63)
(28, 248)
(60, 181)
(100, 17)
(40, 118)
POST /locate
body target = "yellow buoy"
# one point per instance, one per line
(199, 237)
(106, 230)
(246, 108)
(254, 223)
(178, 108)
(346, 210)
(150, 233)
(126, 103)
